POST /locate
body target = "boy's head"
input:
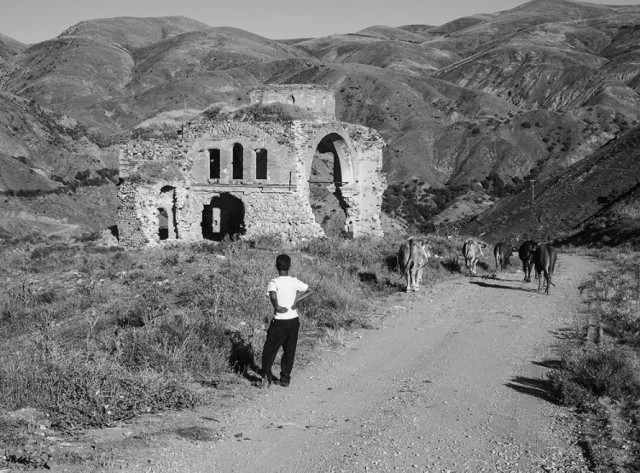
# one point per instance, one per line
(283, 262)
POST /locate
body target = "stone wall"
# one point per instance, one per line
(314, 98)
(175, 176)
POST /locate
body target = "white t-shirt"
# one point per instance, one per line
(286, 288)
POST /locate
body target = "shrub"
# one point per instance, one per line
(77, 391)
(141, 328)
(593, 373)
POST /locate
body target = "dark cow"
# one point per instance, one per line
(502, 253)
(412, 258)
(525, 253)
(472, 251)
(544, 259)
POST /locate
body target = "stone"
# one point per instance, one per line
(250, 175)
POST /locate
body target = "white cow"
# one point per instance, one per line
(472, 251)
(412, 258)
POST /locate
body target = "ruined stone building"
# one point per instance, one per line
(282, 166)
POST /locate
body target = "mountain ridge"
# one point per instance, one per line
(519, 94)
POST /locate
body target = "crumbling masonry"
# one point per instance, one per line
(292, 174)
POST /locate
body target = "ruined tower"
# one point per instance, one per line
(282, 166)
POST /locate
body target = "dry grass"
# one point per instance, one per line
(95, 335)
(602, 380)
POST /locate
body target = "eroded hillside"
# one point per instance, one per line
(595, 200)
(521, 94)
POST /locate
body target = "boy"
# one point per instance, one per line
(284, 292)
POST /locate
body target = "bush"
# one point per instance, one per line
(594, 373)
(95, 335)
(76, 391)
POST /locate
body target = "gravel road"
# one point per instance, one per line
(452, 380)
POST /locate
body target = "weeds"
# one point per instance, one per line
(592, 373)
(606, 374)
(93, 336)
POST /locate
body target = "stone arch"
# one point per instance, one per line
(330, 175)
(223, 216)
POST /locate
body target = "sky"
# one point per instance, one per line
(32, 21)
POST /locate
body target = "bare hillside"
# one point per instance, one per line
(595, 198)
(521, 94)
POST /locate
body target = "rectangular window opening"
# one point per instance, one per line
(261, 163)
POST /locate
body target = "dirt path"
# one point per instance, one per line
(452, 381)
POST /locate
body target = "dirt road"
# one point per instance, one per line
(451, 381)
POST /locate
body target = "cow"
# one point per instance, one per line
(544, 260)
(502, 253)
(412, 258)
(472, 251)
(525, 253)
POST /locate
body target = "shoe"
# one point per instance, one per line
(279, 382)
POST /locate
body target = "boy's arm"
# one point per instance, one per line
(278, 309)
(300, 296)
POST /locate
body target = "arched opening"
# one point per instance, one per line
(325, 184)
(238, 161)
(163, 224)
(261, 163)
(169, 201)
(214, 164)
(223, 216)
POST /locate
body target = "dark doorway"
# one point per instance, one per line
(163, 224)
(238, 161)
(325, 183)
(224, 216)
(171, 219)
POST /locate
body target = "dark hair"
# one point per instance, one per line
(283, 262)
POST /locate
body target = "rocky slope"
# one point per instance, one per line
(53, 178)
(595, 200)
(523, 93)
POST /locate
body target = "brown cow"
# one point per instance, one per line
(525, 253)
(412, 258)
(544, 259)
(472, 251)
(502, 253)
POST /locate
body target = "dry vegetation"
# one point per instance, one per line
(94, 335)
(600, 378)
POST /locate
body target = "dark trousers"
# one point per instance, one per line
(281, 333)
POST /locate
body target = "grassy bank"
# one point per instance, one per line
(601, 377)
(94, 335)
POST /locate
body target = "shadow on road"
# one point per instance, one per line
(533, 387)
(551, 364)
(501, 286)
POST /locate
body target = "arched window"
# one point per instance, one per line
(214, 164)
(261, 163)
(238, 154)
